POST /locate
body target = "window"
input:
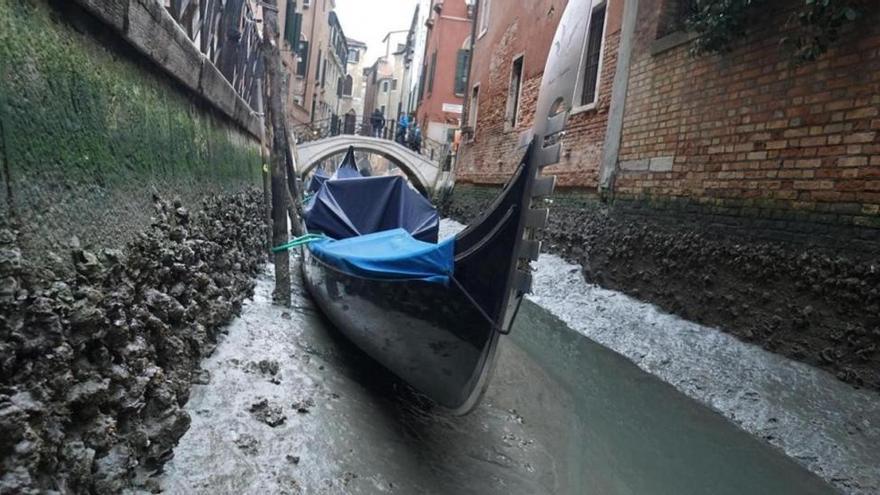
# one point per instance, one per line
(485, 7)
(385, 86)
(593, 56)
(473, 107)
(324, 74)
(394, 85)
(292, 24)
(461, 71)
(302, 65)
(318, 68)
(514, 92)
(383, 109)
(347, 86)
(353, 56)
(307, 3)
(422, 77)
(431, 72)
(674, 15)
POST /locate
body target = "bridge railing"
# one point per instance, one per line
(335, 126)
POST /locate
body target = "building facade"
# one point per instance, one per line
(748, 132)
(443, 72)
(385, 88)
(314, 53)
(353, 86)
(759, 135)
(509, 53)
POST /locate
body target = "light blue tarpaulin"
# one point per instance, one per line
(390, 254)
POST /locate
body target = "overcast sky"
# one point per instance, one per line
(370, 20)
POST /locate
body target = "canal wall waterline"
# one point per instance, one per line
(89, 127)
(815, 304)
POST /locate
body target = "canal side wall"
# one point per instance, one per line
(130, 232)
(750, 129)
(774, 287)
(91, 126)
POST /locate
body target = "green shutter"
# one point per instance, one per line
(461, 71)
(292, 25)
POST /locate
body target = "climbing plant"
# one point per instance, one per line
(814, 24)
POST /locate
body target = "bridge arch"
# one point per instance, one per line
(421, 171)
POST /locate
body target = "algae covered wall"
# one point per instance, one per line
(110, 295)
(89, 128)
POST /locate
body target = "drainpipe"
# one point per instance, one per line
(614, 131)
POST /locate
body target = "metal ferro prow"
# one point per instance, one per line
(555, 101)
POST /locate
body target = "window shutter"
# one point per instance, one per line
(461, 67)
(292, 24)
(433, 70)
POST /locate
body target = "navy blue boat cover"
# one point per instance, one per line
(377, 227)
(352, 207)
(317, 180)
(348, 168)
(389, 255)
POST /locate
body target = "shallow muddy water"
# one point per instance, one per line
(562, 415)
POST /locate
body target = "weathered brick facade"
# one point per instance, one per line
(751, 130)
(527, 28)
(747, 135)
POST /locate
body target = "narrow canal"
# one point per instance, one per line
(289, 406)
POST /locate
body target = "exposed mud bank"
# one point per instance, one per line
(816, 306)
(99, 350)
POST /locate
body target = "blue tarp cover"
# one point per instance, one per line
(391, 254)
(347, 168)
(352, 207)
(318, 179)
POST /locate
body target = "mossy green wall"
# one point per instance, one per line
(89, 128)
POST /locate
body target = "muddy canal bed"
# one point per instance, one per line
(289, 406)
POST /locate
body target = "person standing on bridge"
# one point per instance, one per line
(415, 138)
(377, 121)
(402, 127)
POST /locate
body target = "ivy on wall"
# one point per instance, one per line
(815, 24)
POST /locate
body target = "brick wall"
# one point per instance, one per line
(528, 28)
(757, 132)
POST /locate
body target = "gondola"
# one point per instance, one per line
(430, 312)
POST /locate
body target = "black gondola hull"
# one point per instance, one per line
(428, 334)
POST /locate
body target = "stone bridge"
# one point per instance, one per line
(421, 171)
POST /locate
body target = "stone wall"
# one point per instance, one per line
(89, 126)
(109, 295)
(817, 305)
(98, 349)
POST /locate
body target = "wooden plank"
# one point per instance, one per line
(112, 12)
(215, 88)
(153, 31)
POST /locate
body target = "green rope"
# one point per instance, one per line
(299, 241)
(307, 198)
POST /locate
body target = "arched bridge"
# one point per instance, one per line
(421, 171)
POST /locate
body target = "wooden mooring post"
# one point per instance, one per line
(278, 155)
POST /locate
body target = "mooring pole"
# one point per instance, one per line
(278, 153)
(264, 165)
